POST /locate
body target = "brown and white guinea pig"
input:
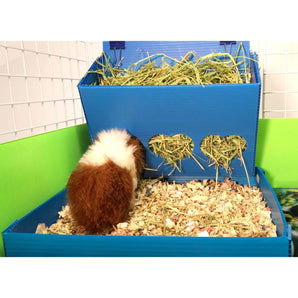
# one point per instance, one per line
(101, 189)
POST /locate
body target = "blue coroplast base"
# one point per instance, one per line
(20, 238)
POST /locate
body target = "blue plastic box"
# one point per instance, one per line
(194, 110)
(145, 111)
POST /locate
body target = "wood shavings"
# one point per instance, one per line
(64, 225)
(190, 209)
(199, 209)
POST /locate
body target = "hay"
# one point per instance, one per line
(221, 151)
(214, 68)
(173, 149)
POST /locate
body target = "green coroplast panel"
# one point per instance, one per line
(277, 151)
(34, 169)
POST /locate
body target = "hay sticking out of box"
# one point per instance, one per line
(160, 69)
(221, 151)
(173, 149)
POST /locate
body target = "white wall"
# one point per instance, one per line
(38, 83)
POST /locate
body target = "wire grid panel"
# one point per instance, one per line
(38, 85)
(279, 70)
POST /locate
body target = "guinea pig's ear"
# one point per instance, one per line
(97, 139)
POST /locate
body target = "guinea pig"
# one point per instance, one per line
(100, 190)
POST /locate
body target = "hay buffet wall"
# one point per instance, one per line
(43, 131)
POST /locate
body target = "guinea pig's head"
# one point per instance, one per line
(138, 154)
(119, 146)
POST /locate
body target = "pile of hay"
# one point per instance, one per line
(160, 69)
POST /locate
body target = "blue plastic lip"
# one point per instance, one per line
(144, 236)
(255, 67)
(261, 172)
(10, 227)
(14, 224)
(136, 50)
(81, 85)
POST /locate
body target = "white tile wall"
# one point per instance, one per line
(38, 83)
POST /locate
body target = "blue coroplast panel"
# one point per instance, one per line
(137, 50)
(194, 110)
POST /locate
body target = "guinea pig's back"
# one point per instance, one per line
(99, 196)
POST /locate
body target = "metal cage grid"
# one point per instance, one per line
(278, 62)
(38, 83)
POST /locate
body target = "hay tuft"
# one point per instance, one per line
(173, 149)
(221, 151)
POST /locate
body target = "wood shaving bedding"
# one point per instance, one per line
(195, 208)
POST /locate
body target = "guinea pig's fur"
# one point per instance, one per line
(101, 189)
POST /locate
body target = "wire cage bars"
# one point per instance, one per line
(38, 85)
